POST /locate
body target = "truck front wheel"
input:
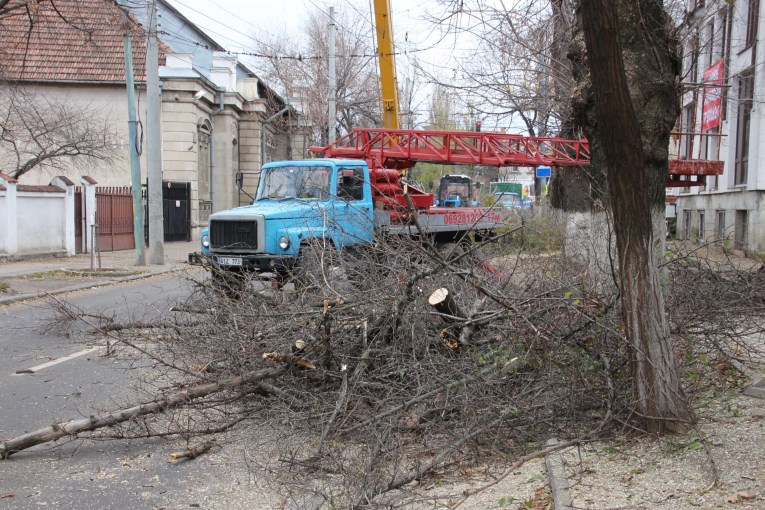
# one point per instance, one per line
(231, 283)
(319, 267)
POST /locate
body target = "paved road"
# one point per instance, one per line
(70, 379)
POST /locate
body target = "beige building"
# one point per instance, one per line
(218, 117)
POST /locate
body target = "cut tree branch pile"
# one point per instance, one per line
(365, 380)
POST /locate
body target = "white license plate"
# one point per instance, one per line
(230, 261)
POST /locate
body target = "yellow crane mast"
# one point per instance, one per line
(387, 62)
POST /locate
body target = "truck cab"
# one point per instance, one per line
(296, 202)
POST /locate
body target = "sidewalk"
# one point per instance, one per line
(29, 279)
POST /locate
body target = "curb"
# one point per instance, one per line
(101, 283)
(559, 485)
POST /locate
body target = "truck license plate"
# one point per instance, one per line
(229, 261)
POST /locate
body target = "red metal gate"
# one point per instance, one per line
(114, 217)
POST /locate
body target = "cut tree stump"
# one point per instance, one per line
(444, 303)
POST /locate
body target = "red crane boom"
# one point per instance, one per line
(403, 148)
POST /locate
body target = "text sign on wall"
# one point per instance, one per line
(712, 104)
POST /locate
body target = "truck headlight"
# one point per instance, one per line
(284, 242)
(206, 241)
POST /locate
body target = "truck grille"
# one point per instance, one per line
(239, 235)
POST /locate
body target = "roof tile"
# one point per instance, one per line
(71, 40)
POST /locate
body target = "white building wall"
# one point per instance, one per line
(739, 202)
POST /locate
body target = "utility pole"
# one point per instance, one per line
(154, 141)
(332, 115)
(135, 162)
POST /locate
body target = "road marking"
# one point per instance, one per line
(57, 361)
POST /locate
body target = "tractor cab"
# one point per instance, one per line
(455, 191)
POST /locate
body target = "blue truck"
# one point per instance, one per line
(340, 202)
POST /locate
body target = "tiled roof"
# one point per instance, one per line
(70, 40)
(66, 180)
(31, 188)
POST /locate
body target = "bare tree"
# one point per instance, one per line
(300, 68)
(518, 72)
(38, 132)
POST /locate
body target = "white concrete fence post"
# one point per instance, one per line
(64, 182)
(11, 224)
(89, 206)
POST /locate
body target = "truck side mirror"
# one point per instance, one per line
(239, 180)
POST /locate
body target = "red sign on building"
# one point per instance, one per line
(712, 96)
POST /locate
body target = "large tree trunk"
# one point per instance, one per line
(628, 41)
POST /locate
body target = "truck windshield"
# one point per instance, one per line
(307, 182)
(458, 190)
(510, 199)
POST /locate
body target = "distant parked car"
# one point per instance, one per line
(514, 200)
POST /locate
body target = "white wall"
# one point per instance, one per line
(37, 221)
(41, 225)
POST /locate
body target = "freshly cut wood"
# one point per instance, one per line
(191, 453)
(74, 427)
(444, 303)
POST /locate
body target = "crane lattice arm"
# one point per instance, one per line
(403, 148)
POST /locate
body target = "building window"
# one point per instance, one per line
(686, 225)
(752, 21)
(720, 226)
(741, 229)
(713, 182)
(688, 126)
(709, 151)
(702, 235)
(709, 44)
(694, 67)
(745, 102)
(724, 54)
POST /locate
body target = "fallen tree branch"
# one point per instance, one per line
(490, 370)
(192, 453)
(423, 468)
(471, 326)
(75, 427)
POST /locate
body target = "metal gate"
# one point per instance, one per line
(79, 220)
(114, 217)
(176, 211)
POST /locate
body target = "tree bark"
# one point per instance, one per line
(637, 170)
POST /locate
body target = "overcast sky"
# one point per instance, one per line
(232, 24)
